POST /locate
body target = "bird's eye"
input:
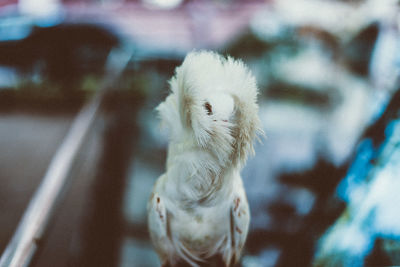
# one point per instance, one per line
(208, 107)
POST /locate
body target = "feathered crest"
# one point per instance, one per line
(187, 112)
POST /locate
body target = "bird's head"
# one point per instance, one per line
(219, 107)
(214, 99)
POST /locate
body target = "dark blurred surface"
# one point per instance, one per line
(27, 144)
(328, 84)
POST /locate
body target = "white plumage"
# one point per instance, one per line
(198, 211)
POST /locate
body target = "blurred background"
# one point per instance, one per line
(323, 185)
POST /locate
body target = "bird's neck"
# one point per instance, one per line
(197, 176)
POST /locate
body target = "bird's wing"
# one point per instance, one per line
(158, 228)
(240, 219)
(167, 244)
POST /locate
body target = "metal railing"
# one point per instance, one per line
(25, 241)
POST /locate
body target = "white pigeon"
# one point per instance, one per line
(198, 211)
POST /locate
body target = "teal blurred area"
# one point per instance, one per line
(322, 186)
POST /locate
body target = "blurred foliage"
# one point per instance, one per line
(264, 56)
(358, 51)
(44, 96)
(298, 94)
